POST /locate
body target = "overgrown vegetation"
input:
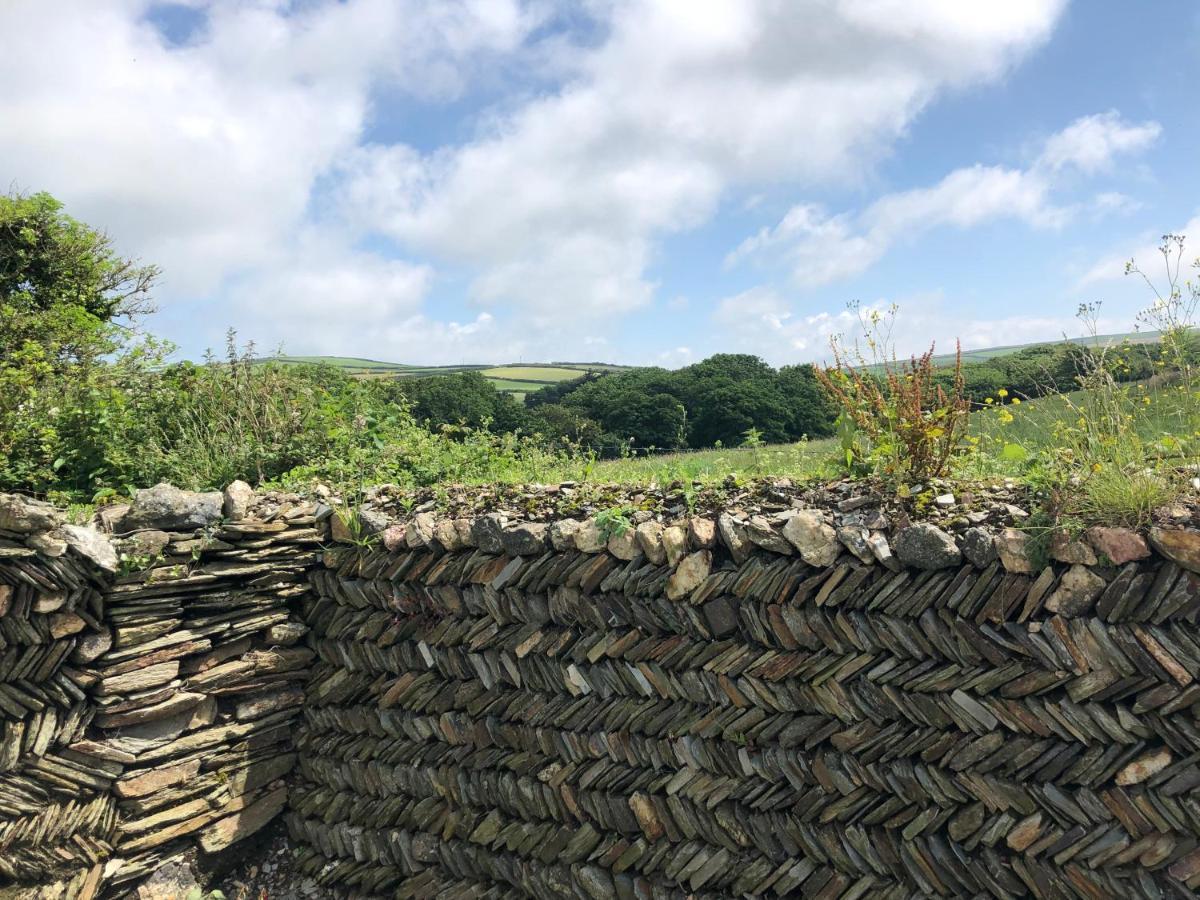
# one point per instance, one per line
(91, 406)
(1110, 442)
(898, 417)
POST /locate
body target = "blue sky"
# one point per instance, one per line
(618, 180)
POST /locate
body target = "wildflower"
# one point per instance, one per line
(1016, 401)
(989, 401)
(1096, 467)
(1003, 392)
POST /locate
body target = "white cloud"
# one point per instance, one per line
(1090, 144)
(561, 202)
(203, 157)
(820, 248)
(1145, 252)
(216, 157)
(762, 321)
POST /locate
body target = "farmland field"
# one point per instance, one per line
(516, 379)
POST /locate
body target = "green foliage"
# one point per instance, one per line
(613, 522)
(707, 404)
(909, 424)
(68, 301)
(464, 398)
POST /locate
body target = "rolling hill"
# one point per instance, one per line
(519, 379)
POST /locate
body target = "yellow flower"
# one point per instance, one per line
(1096, 467)
(1016, 401)
(1002, 392)
(989, 401)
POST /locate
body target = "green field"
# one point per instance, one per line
(353, 364)
(541, 374)
(517, 379)
(1032, 427)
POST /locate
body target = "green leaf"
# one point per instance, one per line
(1014, 453)
(194, 894)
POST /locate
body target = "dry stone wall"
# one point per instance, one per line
(751, 704)
(786, 694)
(148, 683)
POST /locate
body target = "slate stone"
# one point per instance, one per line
(487, 532)
(167, 508)
(925, 546)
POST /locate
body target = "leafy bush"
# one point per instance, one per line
(908, 424)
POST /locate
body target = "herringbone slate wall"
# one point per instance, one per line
(553, 725)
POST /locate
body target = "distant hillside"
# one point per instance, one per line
(518, 379)
(1134, 337)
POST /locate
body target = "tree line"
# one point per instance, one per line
(724, 400)
(91, 405)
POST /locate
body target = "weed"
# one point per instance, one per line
(613, 522)
(910, 419)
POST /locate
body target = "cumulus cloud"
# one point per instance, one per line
(562, 200)
(202, 154)
(216, 153)
(821, 248)
(763, 321)
(1146, 253)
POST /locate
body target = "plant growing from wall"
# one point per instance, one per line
(907, 424)
(613, 522)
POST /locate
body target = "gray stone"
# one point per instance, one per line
(93, 546)
(1075, 552)
(816, 541)
(675, 543)
(882, 550)
(562, 533)
(979, 546)
(1076, 592)
(149, 544)
(244, 822)
(690, 574)
(25, 515)
(1013, 548)
(47, 543)
(92, 646)
(372, 521)
(172, 880)
(854, 539)
(589, 538)
(925, 546)
(420, 531)
(348, 526)
(285, 634)
(525, 539)
(166, 507)
(446, 533)
(760, 532)
(487, 531)
(624, 545)
(236, 500)
(650, 539)
(733, 536)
